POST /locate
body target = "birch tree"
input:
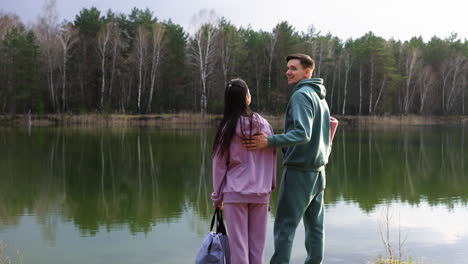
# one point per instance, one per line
(203, 50)
(271, 49)
(67, 37)
(103, 49)
(412, 60)
(454, 90)
(426, 80)
(228, 47)
(116, 44)
(348, 63)
(47, 35)
(157, 34)
(140, 54)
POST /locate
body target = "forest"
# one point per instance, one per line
(135, 63)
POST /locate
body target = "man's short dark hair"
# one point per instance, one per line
(306, 60)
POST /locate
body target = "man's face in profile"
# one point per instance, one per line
(296, 72)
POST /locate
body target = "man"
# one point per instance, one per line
(306, 147)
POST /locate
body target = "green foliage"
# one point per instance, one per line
(436, 52)
(21, 52)
(377, 67)
(89, 21)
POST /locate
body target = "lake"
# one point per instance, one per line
(141, 195)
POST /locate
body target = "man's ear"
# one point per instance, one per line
(308, 72)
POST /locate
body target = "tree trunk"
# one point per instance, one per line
(345, 90)
(348, 65)
(103, 82)
(257, 84)
(445, 74)
(64, 79)
(271, 50)
(410, 64)
(153, 81)
(360, 89)
(463, 94)
(425, 85)
(203, 53)
(141, 42)
(332, 88)
(157, 38)
(103, 39)
(371, 84)
(114, 58)
(380, 92)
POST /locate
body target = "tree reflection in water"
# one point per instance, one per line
(106, 179)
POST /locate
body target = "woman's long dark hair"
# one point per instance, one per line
(234, 106)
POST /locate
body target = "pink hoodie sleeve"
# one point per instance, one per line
(218, 171)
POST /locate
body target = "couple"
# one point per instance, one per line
(244, 168)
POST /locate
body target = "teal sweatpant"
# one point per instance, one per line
(300, 196)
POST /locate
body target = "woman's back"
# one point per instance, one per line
(251, 175)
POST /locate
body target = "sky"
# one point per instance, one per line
(398, 19)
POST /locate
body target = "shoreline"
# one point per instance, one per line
(196, 120)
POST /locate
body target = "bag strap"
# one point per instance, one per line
(220, 228)
(218, 219)
(213, 218)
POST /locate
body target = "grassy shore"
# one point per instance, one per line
(196, 120)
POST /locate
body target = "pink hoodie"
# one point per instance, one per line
(252, 174)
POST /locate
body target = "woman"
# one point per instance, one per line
(243, 180)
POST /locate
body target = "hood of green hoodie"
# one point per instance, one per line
(316, 84)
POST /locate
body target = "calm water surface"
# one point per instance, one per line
(141, 195)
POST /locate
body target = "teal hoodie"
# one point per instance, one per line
(306, 138)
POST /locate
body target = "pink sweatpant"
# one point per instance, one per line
(247, 226)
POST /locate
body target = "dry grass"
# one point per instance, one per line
(113, 120)
(7, 260)
(195, 120)
(390, 261)
(398, 120)
(3, 259)
(394, 249)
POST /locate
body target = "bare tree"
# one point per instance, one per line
(203, 50)
(141, 46)
(47, 34)
(382, 87)
(103, 48)
(348, 63)
(410, 68)
(456, 64)
(386, 221)
(116, 44)
(445, 71)
(371, 82)
(360, 89)
(320, 57)
(226, 49)
(157, 34)
(271, 49)
(464, 87)
(68, 37)
(7, 22)
(426, 81)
